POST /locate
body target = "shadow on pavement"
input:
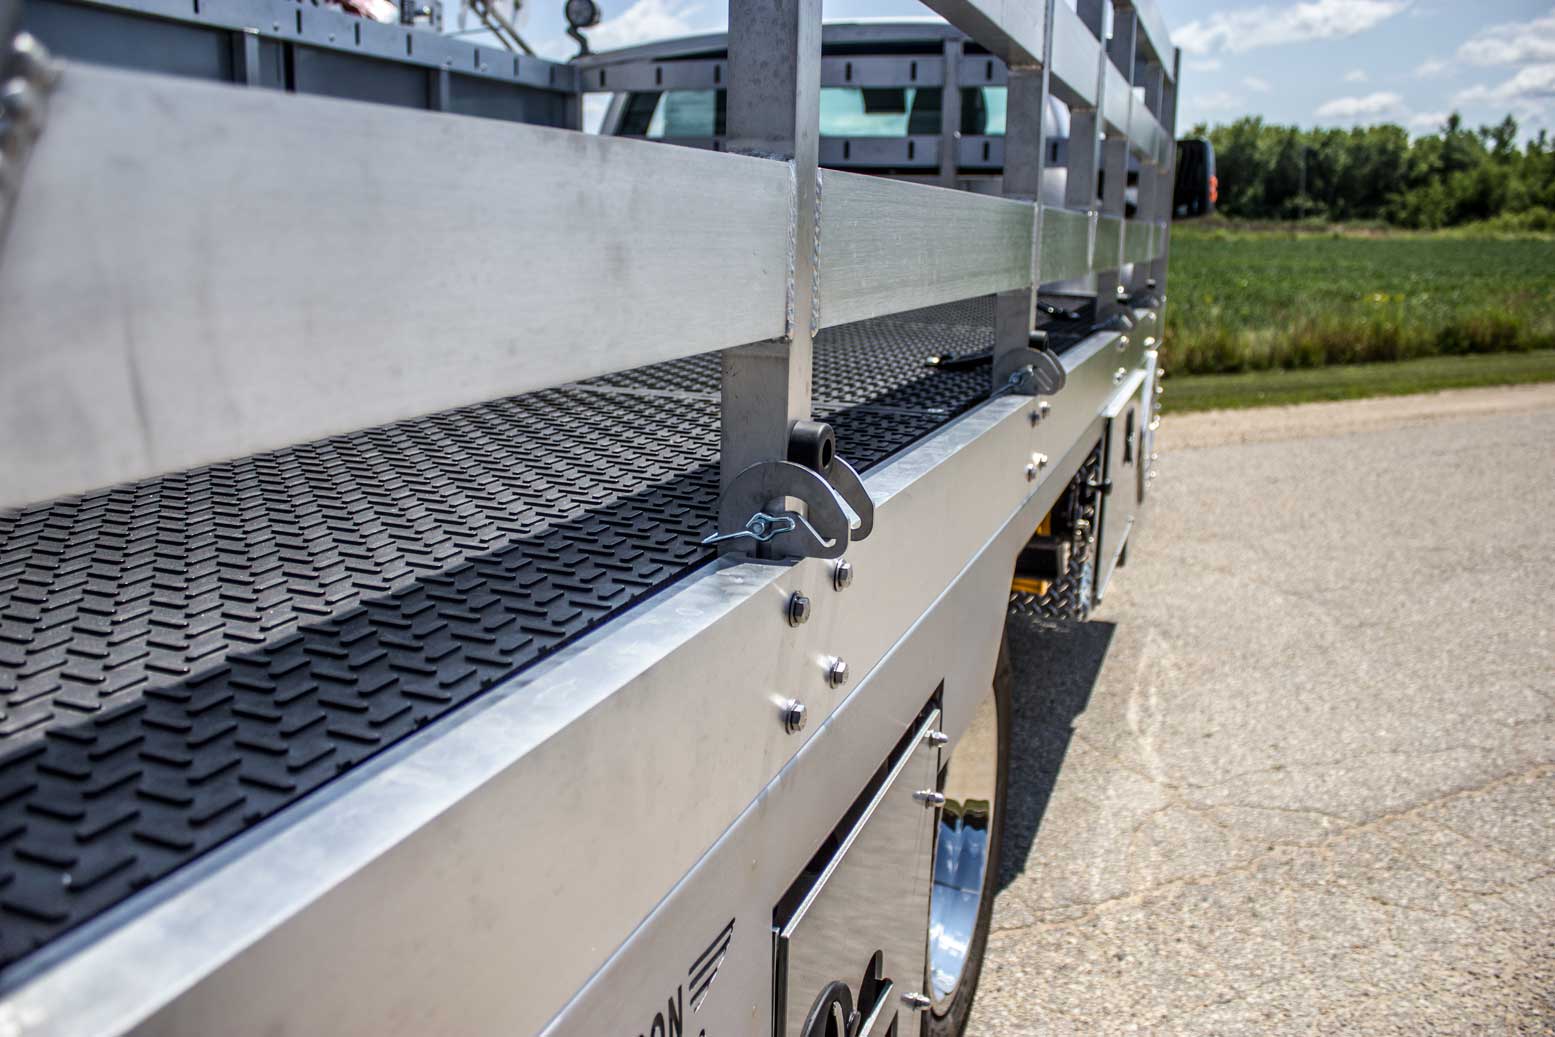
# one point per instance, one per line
(1055, 667)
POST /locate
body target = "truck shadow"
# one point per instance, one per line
(1055, 665)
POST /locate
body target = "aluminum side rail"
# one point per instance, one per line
(537, 851)
(172, 298)
(148, 330)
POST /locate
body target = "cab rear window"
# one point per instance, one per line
(845, 112)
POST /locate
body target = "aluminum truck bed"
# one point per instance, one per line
(182, 657)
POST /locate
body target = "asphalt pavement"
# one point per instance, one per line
(1297, 774)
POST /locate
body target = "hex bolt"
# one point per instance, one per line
(794, 716)
(936, 738)
(798, 609)
(1160, 372)
(837, 673)
(33, 60)
(842, 575)
(1117, 376)
(929, 798)
(917, 1002)
(20, 101)
(1038, 462)
(1122, 343)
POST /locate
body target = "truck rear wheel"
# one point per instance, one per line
(966, 858)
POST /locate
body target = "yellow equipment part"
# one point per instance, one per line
(1037, 587)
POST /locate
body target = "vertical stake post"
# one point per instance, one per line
(1025, 157)
(774, 112)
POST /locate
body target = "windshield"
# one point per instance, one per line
(845, 112)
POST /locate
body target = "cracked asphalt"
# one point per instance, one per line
(1297, 775)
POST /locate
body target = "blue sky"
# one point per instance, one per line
(1318, 62)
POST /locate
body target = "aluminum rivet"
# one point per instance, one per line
(798, 609)
(795, 716)
(837, 673)
(842, 575)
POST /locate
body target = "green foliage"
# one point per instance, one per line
(1264, 388)
(1453, 177)
(1307, 296)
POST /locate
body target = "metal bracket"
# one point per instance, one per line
(746, 513)
(1029, 371)
(837, 508)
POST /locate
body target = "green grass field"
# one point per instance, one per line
(1353, 381)
(1258, 299)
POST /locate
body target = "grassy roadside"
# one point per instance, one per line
(1354, 381)
(1255, 298)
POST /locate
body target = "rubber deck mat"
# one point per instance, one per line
(181, 658)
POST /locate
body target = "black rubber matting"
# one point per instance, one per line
(182, 657)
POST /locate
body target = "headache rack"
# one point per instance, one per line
(321, 421)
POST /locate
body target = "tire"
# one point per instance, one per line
(948, 1016)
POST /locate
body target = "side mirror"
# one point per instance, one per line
(1196, 189)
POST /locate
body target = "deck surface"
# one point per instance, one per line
(183, 657)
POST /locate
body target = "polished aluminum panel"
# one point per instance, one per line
(1127, 415)
(1011, 29)
(871, 899)
(888, 246)
(1153, 33)
(1067, 238)
(1109, 242)
(173, 295)
(1076, 54)
(579, 745)
(1146, 135)
(1116, 98)
(1136, 241)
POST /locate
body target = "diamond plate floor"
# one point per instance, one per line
(182, 657)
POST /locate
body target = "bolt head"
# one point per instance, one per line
(842, 575)
(795, 716)
(798, 609)
(1043, 407)
(21, 103)
(837, 673)
(33, 60)
(936, 738)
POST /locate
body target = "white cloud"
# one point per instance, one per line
(651, 20)
(1427, 122)
(1257, 85)
(1381, 103)
(1355, 75)
(1204, 65)
(1532, 85)
(1430, 68)
(1248, 28)
(1512, 43)
(1217, 101)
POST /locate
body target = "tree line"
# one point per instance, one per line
(1455, 176)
